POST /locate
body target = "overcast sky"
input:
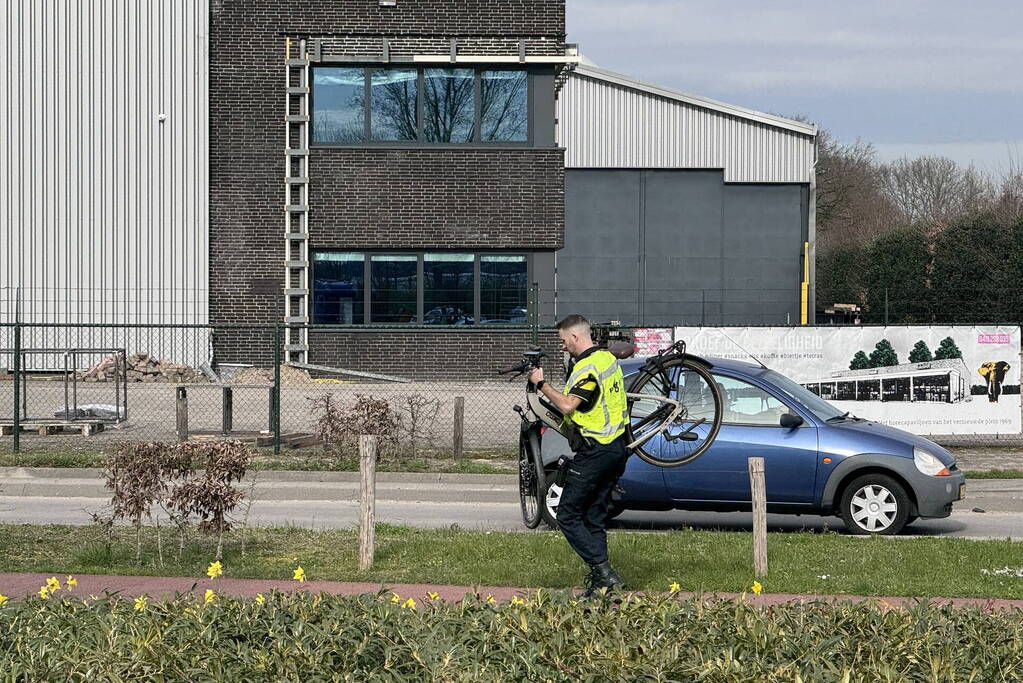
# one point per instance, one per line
(911, 76)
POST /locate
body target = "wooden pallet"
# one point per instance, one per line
(49, 428)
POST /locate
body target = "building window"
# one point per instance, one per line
(338, 288)
(430, 105)
(339, 116)
(503, 106)
(434, 288)
(394, 288)
(503, 289)
(393, 105)
(448, 289)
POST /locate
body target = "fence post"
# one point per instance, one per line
(533, 312)
(886, 307)
(17, 386)
(367, 500)
(181, 408)
(227, 411)
(759, 491)
(459, 435)
(276, 416)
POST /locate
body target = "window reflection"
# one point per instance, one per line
(339, 97)
(338, 293)
(503, 106)
(503, 289)
(393, 290)
(449, 105)
(448, 289)
(393, 112)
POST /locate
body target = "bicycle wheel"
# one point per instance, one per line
(676, 382)
(530, 479)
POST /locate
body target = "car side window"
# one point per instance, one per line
(747, 404)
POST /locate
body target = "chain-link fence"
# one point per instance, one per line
(74, 389)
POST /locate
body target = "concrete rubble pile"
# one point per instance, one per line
(144, 368)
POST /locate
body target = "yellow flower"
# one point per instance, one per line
(674, 587)
(432, 595)
(517, 601)
(490, 600)
(409, 604)
(141, 602)
(214, 570)
(573, 602)
(209, 596)
(757, 588)
(395, 598)
(3, 598)
(299, 574)
(71, 582)
(53, 584)
(44, 592)
(260, 599)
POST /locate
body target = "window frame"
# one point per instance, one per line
(476, 143)
(789, 408)
(420, 254)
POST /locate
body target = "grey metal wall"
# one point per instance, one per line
(103, 152)
(103, 155)
(606, 120)
(655, 247)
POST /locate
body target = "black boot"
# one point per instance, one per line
(601, 576)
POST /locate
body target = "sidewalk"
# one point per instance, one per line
(21, 585)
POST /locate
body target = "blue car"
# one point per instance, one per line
(823, 461)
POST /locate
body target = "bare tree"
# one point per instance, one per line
(934, 190)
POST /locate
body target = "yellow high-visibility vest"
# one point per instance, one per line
(606, 420)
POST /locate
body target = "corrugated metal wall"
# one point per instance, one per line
(104, 156)
(605, 124)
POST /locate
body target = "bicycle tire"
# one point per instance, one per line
(662, 377)
(531, 479)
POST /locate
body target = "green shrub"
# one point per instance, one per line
(318, 637)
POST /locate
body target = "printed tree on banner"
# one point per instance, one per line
(859, 361)
(947, 349)
(883, 355)
(920, 353)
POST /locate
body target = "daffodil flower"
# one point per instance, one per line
(516, 600)
(3, 598)
(674, 587)
(53, 584)
(490, 600)
(44, 592)
(409, 604)
(71, 582)
(214, 570)
(140, 603)
(757, 588)
(395, 598)
(432, 595)
(260, 599)
(209, 596)
(299, 574)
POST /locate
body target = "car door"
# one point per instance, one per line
(750, 427)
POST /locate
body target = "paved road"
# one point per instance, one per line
(326, 500)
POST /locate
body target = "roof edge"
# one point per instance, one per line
(697, 101)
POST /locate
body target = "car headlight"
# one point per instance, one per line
(928, 464)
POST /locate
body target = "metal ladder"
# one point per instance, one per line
(296, 204)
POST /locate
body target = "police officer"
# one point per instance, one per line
(594, 401)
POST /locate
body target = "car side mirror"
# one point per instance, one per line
(790, 421)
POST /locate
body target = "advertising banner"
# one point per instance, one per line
(650, 340)
(926, 380)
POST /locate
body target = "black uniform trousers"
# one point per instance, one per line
(582, 512)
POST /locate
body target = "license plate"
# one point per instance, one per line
(962, 491)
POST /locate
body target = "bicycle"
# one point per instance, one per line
(673, 394)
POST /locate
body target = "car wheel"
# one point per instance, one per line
(551, 500)
(875, 504)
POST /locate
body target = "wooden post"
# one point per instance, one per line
(227, 414)
(759, 490)
(367, 500)
(459, 426)
(182, 413)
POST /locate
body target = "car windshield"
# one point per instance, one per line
(814, 403)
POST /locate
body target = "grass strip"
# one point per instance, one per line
(547, 638)
(826, 563)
